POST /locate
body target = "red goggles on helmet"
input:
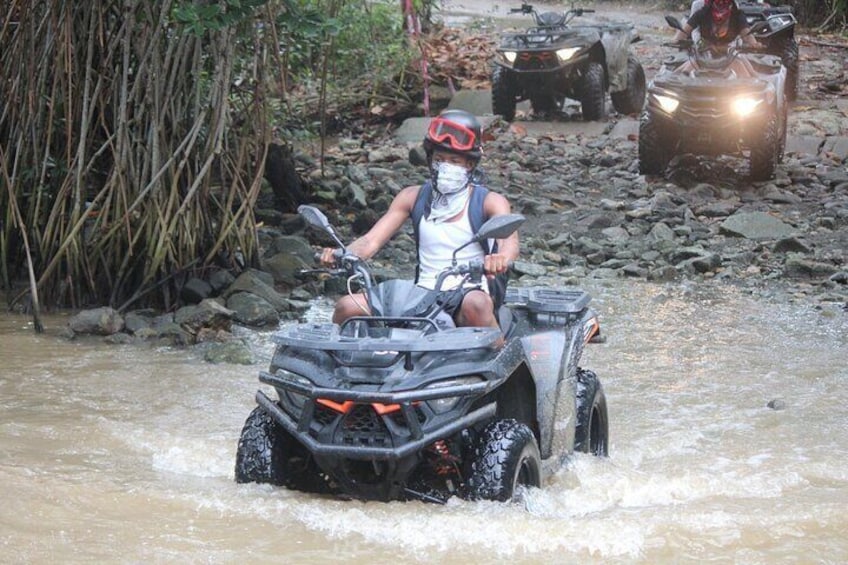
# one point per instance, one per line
(457, 136)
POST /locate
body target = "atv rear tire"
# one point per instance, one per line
(592, 432)
(765, 152)
(653, 148)
(503, 93)
(506, 457)
(269, 454)
(593, 92)
(631, 100)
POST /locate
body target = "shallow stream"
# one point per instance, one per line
(125, 453)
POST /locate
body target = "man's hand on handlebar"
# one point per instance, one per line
(496, 264)
(330, 257)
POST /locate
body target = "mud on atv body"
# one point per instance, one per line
(403, 405)
(555, 60)
(700, 104)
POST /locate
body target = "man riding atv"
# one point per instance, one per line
(446, 211)
(719, 22)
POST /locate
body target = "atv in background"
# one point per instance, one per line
(400, 404)
(713, 103)
(554, 60)
(779, 38)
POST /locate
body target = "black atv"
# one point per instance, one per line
(554, 61)
(714, 103)
(779, 37)
(402, 405)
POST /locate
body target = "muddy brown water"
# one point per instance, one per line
(125, 453)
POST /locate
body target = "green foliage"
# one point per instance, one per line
(201, 17)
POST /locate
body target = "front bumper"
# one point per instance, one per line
(373, 425)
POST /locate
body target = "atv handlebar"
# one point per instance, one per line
(681, 44)
(347, 264)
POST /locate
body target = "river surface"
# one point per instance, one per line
(125, 453)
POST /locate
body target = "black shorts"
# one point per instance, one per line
(451, 300)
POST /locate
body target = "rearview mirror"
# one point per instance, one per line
(674, 22)
(499, 227)
(496, 227)
(316, 218)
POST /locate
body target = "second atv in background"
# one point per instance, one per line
(554, 60)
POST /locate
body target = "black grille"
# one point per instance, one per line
(536, 61)
(362, 426)
(323, 415)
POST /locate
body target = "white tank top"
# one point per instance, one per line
(436, 244)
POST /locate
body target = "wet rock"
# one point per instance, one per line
(119, 339)
(208, 314)
(777, 404)
(286, 268)
(253, 310)
(195, 290)
(136, 321)
(261, 285)
(220, 280)
(98, 321)
(233, 352)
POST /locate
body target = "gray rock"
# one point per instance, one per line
(207, 314)
(531, 269)
(798, 266)
(220, 280)
(286, 268)
(790, 245)
(254, 282)
(134, 322)
(661, 232)
(195, 290)
(98, 321)
(777, 404)
(233, 352)
(755, 225)
(252, 310)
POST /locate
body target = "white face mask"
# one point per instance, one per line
(450, 178)
(450, 184)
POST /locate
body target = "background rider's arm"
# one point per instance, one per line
(508, 248)
(684, 34)
(369, 244)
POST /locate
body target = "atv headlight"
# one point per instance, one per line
(294, 400)
(744, 106)
(509, 56)
(667, 103)
(565, 54)
(442, 405)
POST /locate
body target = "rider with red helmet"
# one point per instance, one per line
(446, 210)
(719, 22)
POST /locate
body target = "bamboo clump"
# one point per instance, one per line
(126, 159)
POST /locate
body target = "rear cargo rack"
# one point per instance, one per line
(546, 300)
